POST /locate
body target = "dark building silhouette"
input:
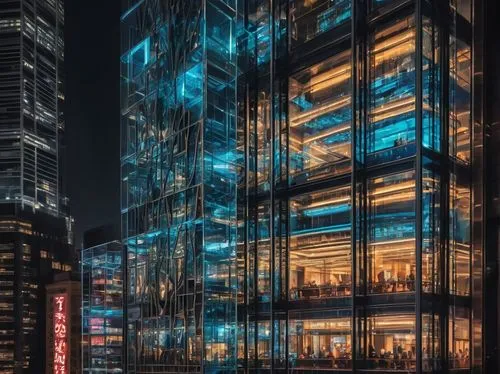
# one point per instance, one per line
(100, 235)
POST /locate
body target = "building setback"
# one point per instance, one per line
(302, 186)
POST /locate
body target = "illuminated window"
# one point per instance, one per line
(311, 18)
(459, 242)
(460, 100)
(391, 233)
(320, 120)
(320, 343)
(391, 342)
(391, 108)
(320, 244)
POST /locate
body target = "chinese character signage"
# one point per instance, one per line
(60, 335)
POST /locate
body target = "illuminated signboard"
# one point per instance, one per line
(60, 335)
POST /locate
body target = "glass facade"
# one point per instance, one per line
(102, 308)
(32, 116)
(179, 177)
(298, 186)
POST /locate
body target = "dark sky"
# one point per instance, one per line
(92, 112)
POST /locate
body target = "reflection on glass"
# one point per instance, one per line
(431, 90)
(459, 338)
(462, 7)
(460, 100)
(263, 135)
(391, 107)
(431, 339)
(313, 17)
(263, 253)
(391, 233)
(320, 120)
(391, 342)
(320, 244)
(459, 262)
(264, 344)
(320, 343)
(431, 229)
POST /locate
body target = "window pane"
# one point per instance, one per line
(460, 100)
(431, 343)
(320, 244)
(431, 124)
(391, 233)
(313, 17)
(320, 343)
(391, 108)
(459, 338)
(431, 229)
(391, 343)
(320, 120)
(459, 262)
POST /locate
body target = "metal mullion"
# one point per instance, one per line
(272, 118)
(445, 186)
(418, 175)
(354, 83)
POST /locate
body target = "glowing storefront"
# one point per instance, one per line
(301, 186)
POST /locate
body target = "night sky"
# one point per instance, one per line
(92, 112)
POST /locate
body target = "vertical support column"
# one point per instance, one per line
(418, 194)
(478, 188)
(354, 84)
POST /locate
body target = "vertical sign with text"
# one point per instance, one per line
(60, 335)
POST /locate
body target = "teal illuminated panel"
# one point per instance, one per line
(179, 185)
(391, 117)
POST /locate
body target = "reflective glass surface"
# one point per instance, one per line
(320, 245)
(390, 343)
(320, 120)
(311, 18)
(391, 233)
(391, 109)
(323, 343)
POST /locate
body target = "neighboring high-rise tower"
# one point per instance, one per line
(34, 220)
(31, 116)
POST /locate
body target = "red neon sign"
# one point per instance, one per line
(60, 335)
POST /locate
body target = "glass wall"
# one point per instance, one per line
(320, 343)
(460, 231)
(460, 99)
(264, 141)
(320, 245)
(391, 233)
(102, 308)
(459, 338)
(311, 18)
(389, 342)
(391, 108)
(320, 120)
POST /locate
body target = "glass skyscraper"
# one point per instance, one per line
(35, 226)
(31, 116)
(302, 185)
